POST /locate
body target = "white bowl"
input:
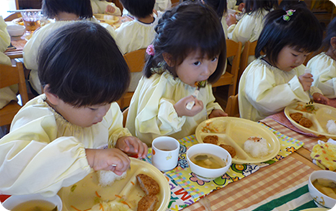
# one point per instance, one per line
(205, 173)
(16, 30)
(320, 199)
(13, 201)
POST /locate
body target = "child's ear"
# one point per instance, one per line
(168, 58)
(333, 42)
(52, 98)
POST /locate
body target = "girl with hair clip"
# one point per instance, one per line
(64, 12)
(323, 65)
(248, 28)
(277, 79)
(57, 138)
(189, 49)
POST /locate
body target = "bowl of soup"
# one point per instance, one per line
(322, 187)
(208, 161)
(33, 202)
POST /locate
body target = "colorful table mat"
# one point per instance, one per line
(186, 188)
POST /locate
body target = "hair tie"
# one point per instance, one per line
(288, 14)
(150, 50)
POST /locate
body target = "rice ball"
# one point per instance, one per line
(331, 126)
(107, 178)
(256, 146)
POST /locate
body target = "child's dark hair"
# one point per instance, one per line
(220, 6)
(256, 5)
(82, 8)
(188, 27)
(284, 4)
(331, 32)
(139, 9)
(302, 32)
(82, 65)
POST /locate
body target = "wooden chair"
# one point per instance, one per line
(125, 112)
(10, 75)
(249, 50)
(230, 77)
(135, 61)
(232, 106)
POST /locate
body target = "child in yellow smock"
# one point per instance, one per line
(277, 79)
(57, 138)
(189, 47)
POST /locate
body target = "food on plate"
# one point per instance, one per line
(331, 126)
(256, 146)
(39, 205)
(296, 116)
(326, 186)
(229, 148)
(208, 161)
(309, 108)
(211, 139)
(147, 203)
(305, 122)
(148, 184)
(107, 178)
(212, 127)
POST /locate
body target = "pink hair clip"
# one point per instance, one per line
(150, 50)
(288, 14)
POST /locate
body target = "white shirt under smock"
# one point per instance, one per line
(43, 152)
(323, 69)
(134, 35)
(265, 90)
(248, 28)
(99, 7)
(152, 113)
(7, 94)
(30, 50)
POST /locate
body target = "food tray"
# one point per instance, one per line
(109, 19)
(234, 132)
(319, 117)
(83, 196)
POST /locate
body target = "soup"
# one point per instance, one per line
(208, 161)
(35, 205)
(326, 186)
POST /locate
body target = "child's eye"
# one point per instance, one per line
(93, 109)
(214, 59)
(294, 55)
(197, 63)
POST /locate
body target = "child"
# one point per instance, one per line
(220, 7)
(250, 25)
(101, 6)
(138, 33)
(323, 66)
(189, 48)
(64, 12)
(277, 79)
(54, 138)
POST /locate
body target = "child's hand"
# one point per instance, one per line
(181, 109)
(154, 11)
(231, 19)
(108, 159)
(306, 81)
(217, 113)
(319, 98)
(132, 145)
(110, 9)
(241, 6)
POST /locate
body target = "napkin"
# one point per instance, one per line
(324, 154)
(282, 119)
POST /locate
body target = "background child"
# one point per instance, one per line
(250, 25)
(101, 6)
(323, 66)
(139, 32)
(220, 6)
(54, 138)
(64, 12)
(277, 79)
(189, 47)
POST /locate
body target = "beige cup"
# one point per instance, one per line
(165, 153)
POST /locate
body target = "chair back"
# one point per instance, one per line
(249, 50)
(11, 75)
(135, 61)
(232, 106)
(233, 49)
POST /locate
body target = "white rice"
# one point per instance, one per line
(331, 126)
(256, 148)
(107, 178)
